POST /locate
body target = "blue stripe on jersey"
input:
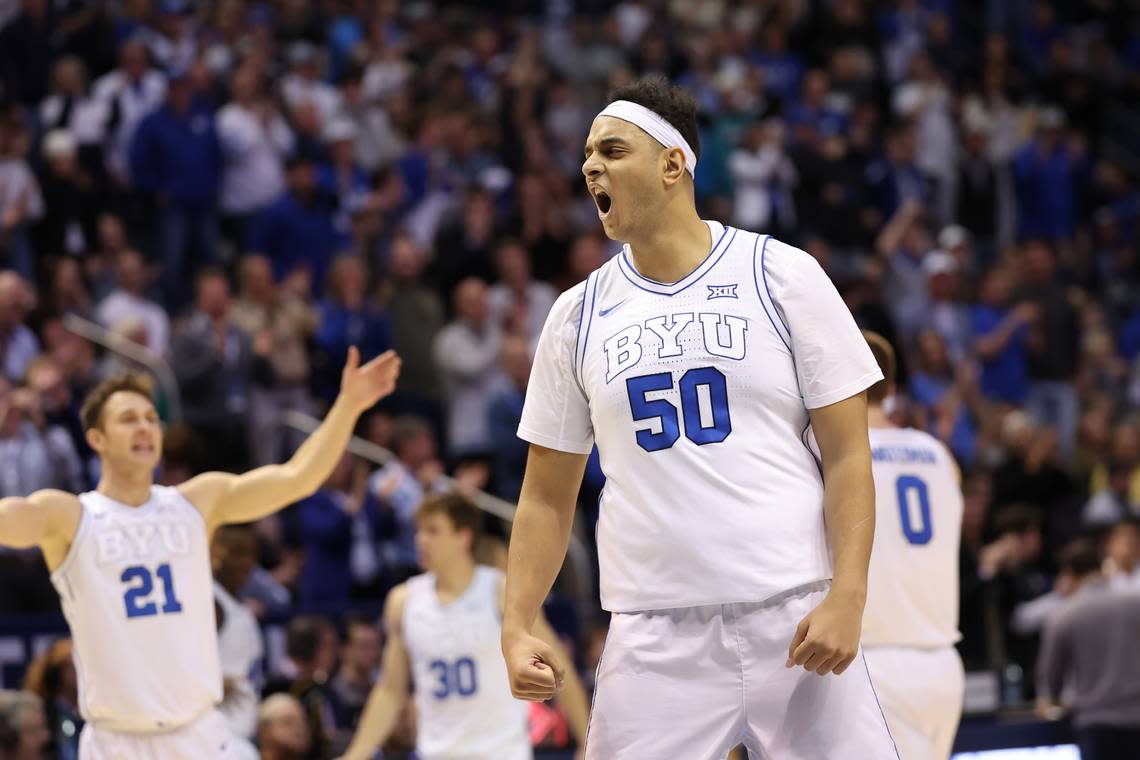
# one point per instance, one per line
(765, 296)
(672, 289)
(580, 342)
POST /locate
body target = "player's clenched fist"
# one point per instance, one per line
(827, 640)
(534, 667)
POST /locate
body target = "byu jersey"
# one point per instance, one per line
(912, 584)
(138, 594)
(464, 707)
(697, 395)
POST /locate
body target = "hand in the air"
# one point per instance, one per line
(827, 639)
(363, 386)
(534, 668)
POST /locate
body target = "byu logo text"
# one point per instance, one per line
(724, 335)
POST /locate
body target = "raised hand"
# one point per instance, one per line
(361, 387)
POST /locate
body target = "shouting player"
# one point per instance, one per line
(910, 625)
(722, 378)
(131, 562)
(443, 638)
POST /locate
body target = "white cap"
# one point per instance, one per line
(939, 262)
(953, 235)
(59, 142)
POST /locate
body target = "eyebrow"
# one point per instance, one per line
(605, 142)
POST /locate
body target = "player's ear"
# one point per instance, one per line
(673, 165)
(95, 439)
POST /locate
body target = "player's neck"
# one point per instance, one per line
(129, 489)
(453, 579)
(669, 251)
(877, 418)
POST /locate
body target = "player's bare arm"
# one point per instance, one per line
(827, 640)
(47, 519)
(539, 539)
(572, 699)
(387, 698)
(224, 498)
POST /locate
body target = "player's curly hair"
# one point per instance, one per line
(91, 413)
(671, 102)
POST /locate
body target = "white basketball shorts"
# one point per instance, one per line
(208, 737)
(921, 691)
(694, 682)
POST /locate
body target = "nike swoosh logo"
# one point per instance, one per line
(604, 312)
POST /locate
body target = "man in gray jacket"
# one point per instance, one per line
(1090, 648)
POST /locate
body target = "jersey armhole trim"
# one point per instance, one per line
(765, 295)
(585, 318)
(80, 533)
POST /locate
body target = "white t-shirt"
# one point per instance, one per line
(912, 584)
(697, 394)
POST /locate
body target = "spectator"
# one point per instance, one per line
(296, 231)
(1000, 331)
(359, 664)
(172, 43)
(1051, 345)
(303, 83)
(417, 315)
(945, 394)
(467, 354)
(255, 140)
(71, 200)
(18, 344)
(948, 316)
(983, 201)
(22, 717)
(25, 52)
(1122, 554)
(518, 302)
(269, 313)
(323, 527)
(1089, 647)
(283, 732)
(51, 677)
(175, 155)
(464, 244)
(1078, 564)
(763, 178)
(45, 377)
(1046, 173)
(233, 555)
(127, 95)
(37, 455)
(69, 293)
(216, 364)
(346, 318)
(71, 108)
(129, 301)
(503, 417)
(401, 484)
(21, 202)
(311, 646)
(342, 178)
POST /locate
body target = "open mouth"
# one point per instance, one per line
(604, 201)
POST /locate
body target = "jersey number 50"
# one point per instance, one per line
(710, 424)
(137, 597)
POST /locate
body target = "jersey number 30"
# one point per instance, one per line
(914, 509)
(710, 424)
(454, 678)
(141, 586)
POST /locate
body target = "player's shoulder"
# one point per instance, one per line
(781, 264)
(395, 603)
(53, 499)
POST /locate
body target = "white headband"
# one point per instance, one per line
(654, 126)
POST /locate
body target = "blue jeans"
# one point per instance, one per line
(187, 241)
(1054, 403)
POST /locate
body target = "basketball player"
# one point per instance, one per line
(712, 366)
(910, 625)
(443, 637)
(131, 563)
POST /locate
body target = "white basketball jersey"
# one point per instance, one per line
(912, 585)
(138, 594)
(697, 394)
(464, 707)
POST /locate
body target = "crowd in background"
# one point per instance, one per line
(245, 189)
